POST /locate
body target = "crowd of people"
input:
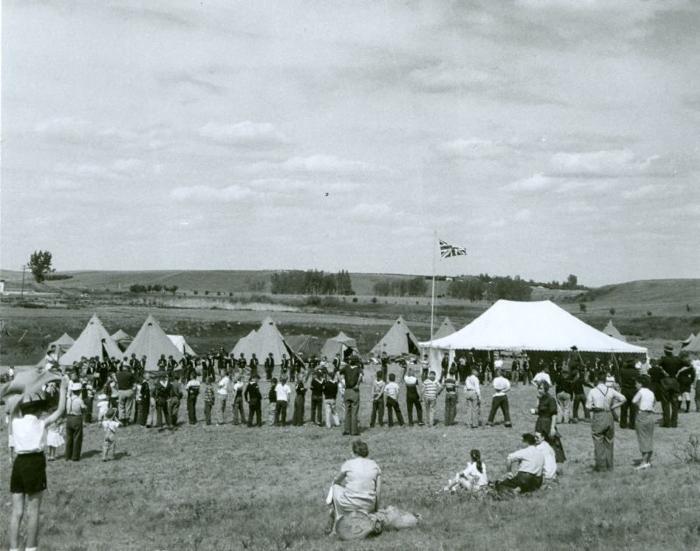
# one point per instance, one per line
(117, 393)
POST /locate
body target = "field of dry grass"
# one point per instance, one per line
(227, 487)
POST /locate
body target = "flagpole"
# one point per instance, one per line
(432, 300)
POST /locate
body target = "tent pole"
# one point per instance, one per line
(432, 300)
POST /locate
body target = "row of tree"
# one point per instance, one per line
(415, 287)
(311, 282)
(485, 287)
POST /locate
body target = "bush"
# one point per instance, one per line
(612, 311)
(582, 307)
(374, 300)
(354, 299)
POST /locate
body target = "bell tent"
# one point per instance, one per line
(693, 346)
(445, 329)
(687, 341)
(181, 344)
(306, 345)
(63, 343)
(93, 341)
(152, 342)
(262, 341)
(612, 331)
(397, 341)
(341, 341)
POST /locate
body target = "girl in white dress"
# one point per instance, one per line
(473, 478)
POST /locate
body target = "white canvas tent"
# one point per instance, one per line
(121, 335)
(694, 345)
(522, 326)
(334, 345)
(151, 341)
(64, 342)
(181, 344)
(445, 329)
(687, 341)
(398, 340)
(93, 341)
(612, 331)
(262, 341)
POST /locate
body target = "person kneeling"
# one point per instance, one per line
(530, 461)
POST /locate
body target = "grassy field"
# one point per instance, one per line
(228, 487)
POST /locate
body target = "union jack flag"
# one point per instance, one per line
(447, 250)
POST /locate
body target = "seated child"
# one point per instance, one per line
(473, 478)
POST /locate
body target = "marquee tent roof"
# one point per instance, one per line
(510, 325)
(445, 329)
(612, 331)
(262, 341)
(181, 344)
(93, 341)
(151, 341)
(334, 345)
(398, 340)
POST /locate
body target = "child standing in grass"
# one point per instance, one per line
(110, 426)
(391, 391)
(54, 439)
(209, 399)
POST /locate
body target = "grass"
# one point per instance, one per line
(226, 487)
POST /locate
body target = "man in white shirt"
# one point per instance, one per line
(472, 394)
(501, 386)
(549, 471)
(282, 392)
(602, 400)
(530, 461)
(222, 393)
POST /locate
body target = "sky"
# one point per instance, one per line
(547, 137)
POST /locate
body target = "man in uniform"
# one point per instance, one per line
(671, 365)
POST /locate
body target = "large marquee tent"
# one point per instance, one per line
(152, 342)
(526, 326)
(93, 341)
(262, 341)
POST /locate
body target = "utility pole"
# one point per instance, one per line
(24, 267)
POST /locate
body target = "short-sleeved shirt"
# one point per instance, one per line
(28, 434)
(282, 392)
(391, 390)
(531, 460)
(360, 475)
(644, 400)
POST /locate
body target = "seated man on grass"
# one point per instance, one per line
(530, 462)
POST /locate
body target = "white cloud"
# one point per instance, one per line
(244, 134)
(325, 164)
(620, 162)
(127, 165)
(523, 215)
(67, 129)
(209, 194)
(537, 182)
(443, 77)
(472, 148)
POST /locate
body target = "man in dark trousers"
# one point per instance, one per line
(628, 387)
(269, 366)
(352, 373)
(317, 384)
(254, 399)
(670, 365)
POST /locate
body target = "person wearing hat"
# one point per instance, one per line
(644, 401)
(110, 426)
(28, 480)
(602, 401)
(253, 398)
(667, 385)
(352, 377)
(269, 366)
(74, 422)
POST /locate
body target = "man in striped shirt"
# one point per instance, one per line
(431, 390)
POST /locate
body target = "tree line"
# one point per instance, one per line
(311, 282)
(415, 287)
(486, 287)
(156, 288)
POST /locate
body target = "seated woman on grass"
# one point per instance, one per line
(357, 487)
(473, 478)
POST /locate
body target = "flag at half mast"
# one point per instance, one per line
(447, 250)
